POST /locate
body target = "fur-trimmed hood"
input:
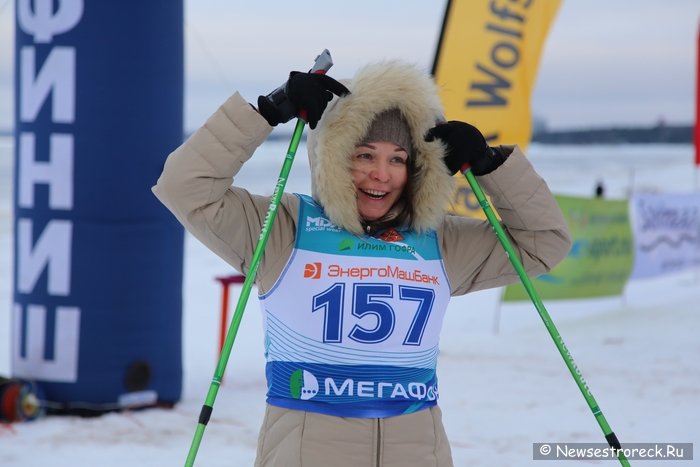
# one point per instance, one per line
(375, 88)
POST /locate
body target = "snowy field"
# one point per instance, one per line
(503, 385)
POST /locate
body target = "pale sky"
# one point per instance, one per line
(621, 62)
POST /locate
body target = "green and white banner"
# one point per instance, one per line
(601, 257)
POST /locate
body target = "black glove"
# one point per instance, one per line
(466, 144)
(308, 92)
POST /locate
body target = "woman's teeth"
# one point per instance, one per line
(375, 193)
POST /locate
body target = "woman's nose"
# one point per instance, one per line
(380, 172)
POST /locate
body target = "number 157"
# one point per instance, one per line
(367, 300)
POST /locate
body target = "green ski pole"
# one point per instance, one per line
(322, 65)
(549, 324)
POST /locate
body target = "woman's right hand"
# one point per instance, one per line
(303, 92)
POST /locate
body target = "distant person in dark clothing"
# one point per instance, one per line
(599, 189)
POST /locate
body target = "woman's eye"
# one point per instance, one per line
(399, 160)
(364, 155)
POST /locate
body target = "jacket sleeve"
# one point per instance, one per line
(474, 259)
(195, 186)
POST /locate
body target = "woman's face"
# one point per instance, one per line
(379, 173)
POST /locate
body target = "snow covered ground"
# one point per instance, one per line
(501, 391)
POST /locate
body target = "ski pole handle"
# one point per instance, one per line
(322, 64)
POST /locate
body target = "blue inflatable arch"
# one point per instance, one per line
(97, 300)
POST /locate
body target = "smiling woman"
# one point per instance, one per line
(380, 171)
(356, 278)
(379, 174)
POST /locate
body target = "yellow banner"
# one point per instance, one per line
(485, 67)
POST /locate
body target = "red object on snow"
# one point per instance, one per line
(225, 282)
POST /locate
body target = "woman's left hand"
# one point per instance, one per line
(466, 145)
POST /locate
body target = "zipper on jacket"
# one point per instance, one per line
(380, 426)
